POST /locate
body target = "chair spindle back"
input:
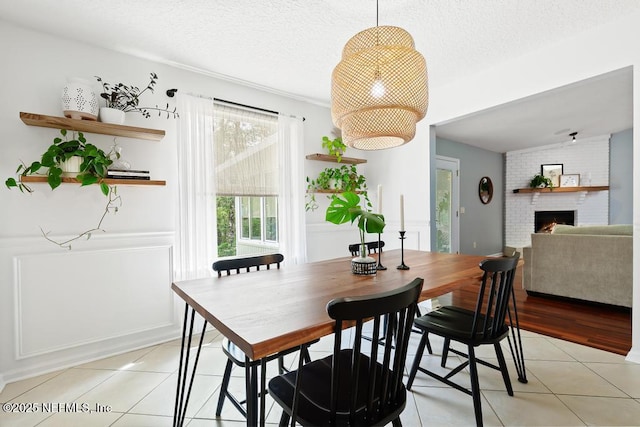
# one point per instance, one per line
(384, 386)
(492, 305)
(229, 265)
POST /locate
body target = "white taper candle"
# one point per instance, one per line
(402, 212)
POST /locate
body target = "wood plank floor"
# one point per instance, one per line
(599, 326)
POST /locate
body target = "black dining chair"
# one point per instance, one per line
(356, 385)
(372, 247)
(485, 325)
(235, 356)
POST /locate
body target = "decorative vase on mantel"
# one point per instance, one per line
(111, 115)
(79, 101)
(363, 265)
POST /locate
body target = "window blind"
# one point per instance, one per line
(246, 152)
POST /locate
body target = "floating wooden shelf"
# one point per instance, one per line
(328, 158)
(106, 180)
(333, 191)
(561, 189)
(91, 126)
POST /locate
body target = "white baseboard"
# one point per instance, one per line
(633, 355)
(85, 355)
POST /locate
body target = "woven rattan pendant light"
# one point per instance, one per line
(379, 89)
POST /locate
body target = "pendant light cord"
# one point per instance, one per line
(377, 75)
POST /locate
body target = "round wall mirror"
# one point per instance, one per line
(485, 189)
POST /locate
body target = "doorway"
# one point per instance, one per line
(447, 204)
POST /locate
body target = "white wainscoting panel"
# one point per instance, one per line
(108, 295)
(69, 299)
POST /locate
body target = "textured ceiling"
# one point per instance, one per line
(291, 46)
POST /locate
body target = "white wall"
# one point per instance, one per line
(598, 51)
(59, 307)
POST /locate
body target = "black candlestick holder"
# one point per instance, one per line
(380, 266)
(402, 265)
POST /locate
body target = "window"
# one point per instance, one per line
(271, 219)
(259, 218)
(246, 181)
(204, 132)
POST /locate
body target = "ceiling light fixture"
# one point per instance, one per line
(573, 137)
(379, 89)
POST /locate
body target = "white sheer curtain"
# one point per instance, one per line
(196, 241)
(292, 227)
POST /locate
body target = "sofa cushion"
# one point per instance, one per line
(610, 230)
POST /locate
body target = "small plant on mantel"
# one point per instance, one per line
(343, 178)
(127, 98)
(539, 181)
(94, 163)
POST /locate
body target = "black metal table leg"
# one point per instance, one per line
(182, 392)
(251, 378)
(516, 346)
(263, 390)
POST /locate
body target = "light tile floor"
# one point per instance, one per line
(569, 385)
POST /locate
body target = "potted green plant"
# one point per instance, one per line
(539, 181)
(340, 179)
(93, 164)
(335, 147)
(126, 98)
(348, 207)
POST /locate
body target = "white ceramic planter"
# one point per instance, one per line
(71, 166)
(79, 101)
(111, 115)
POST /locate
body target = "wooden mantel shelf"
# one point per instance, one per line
(582, 191)
(91, 126)
(328, 158)
(106, 180)
(561, 189)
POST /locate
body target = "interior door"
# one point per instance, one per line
(447, 204)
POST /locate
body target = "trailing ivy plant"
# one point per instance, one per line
(340, 179)
(93, 169)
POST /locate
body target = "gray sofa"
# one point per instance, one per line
(592, 263)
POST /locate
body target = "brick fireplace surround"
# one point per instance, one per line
(588, 157)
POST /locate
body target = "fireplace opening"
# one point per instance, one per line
(544, 221)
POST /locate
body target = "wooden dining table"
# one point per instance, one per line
(269, 311)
